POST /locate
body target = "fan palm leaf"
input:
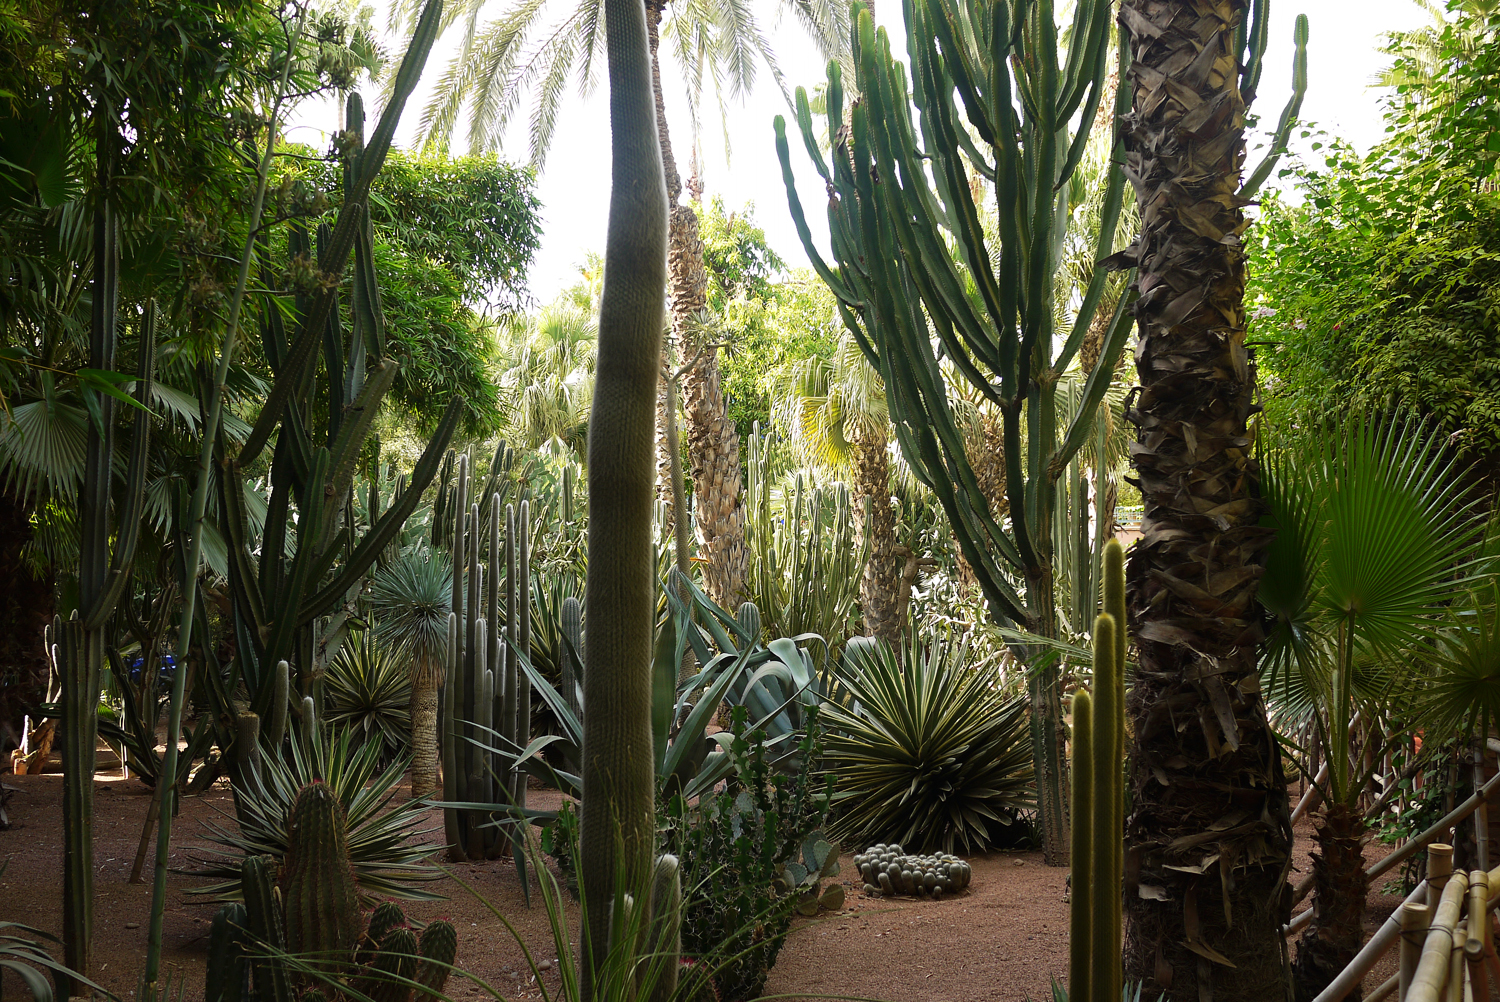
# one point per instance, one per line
(1375, 539)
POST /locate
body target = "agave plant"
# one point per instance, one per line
(367, 693)
(932, 754)
(385, 844)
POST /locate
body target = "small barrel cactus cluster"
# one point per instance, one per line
(887, 869)
(312, 913)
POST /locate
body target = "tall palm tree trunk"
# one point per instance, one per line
(1208, 839)
(881, 586)
(1340, 888)
(713, 443)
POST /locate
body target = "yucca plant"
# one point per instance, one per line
(367, 694)
(385, 844)
(1374, 547)
(411, 598)
(932, 754)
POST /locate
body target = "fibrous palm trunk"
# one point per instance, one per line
(1209, 835)
(881, 586)
(712, 441)
(1340, 887)
(426, 676)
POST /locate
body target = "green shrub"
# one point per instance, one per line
(931, 754)
(734, 846)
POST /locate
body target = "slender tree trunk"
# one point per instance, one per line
(426, 676)
(1209, 835)
(880, 587)
(617, 827)
(1339, 891)
(713, 443)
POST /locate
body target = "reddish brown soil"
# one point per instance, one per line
(1004, 939)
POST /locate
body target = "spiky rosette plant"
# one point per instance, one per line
(931, 754)
(386, 845)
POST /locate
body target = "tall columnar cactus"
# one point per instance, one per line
(102, 576)
(1096, 919)
(618, 816)
(317, 882)
(487, 697)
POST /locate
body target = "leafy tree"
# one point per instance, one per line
(535, 47)
(1375, 280)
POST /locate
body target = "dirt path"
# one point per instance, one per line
(1005, 939)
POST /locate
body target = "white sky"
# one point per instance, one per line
(574, 187)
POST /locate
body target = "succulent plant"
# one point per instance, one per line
(804, 876)
(887, 869)
(306, 938)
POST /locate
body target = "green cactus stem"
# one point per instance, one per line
(267, 925)
(664, 933)
(318, 885)
(1081, 926)
(389, 977)
(439, 949)
(618, 824)
(228, 975)
(386, 916)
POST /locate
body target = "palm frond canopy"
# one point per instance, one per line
(411, 598)
(537, 49)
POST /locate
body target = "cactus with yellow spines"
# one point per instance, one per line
(1096, 917)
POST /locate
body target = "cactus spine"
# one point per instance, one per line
(1096, 915)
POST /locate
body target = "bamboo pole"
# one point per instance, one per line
(1414, 922)
(1310, 796)
(1439, 869)
(1477, 941)
(1490, 958)
(1434, 967)
(1386, 990)
(1481, 812)
(1402, 852)
(1439, 865)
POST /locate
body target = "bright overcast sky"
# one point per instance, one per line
(574, 187)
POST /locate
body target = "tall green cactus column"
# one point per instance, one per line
(1096, 930)
(617, 828)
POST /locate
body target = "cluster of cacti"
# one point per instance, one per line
(803, 877)
(487, 692)
(312, 915)
(1096, 923)
(887, 869)
(316, 420)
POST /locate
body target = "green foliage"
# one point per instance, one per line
(806, 554)
(735, 845)
(385, 848)
(929, 753)
(367, 692)
(1376, 281)
(1374, 546)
